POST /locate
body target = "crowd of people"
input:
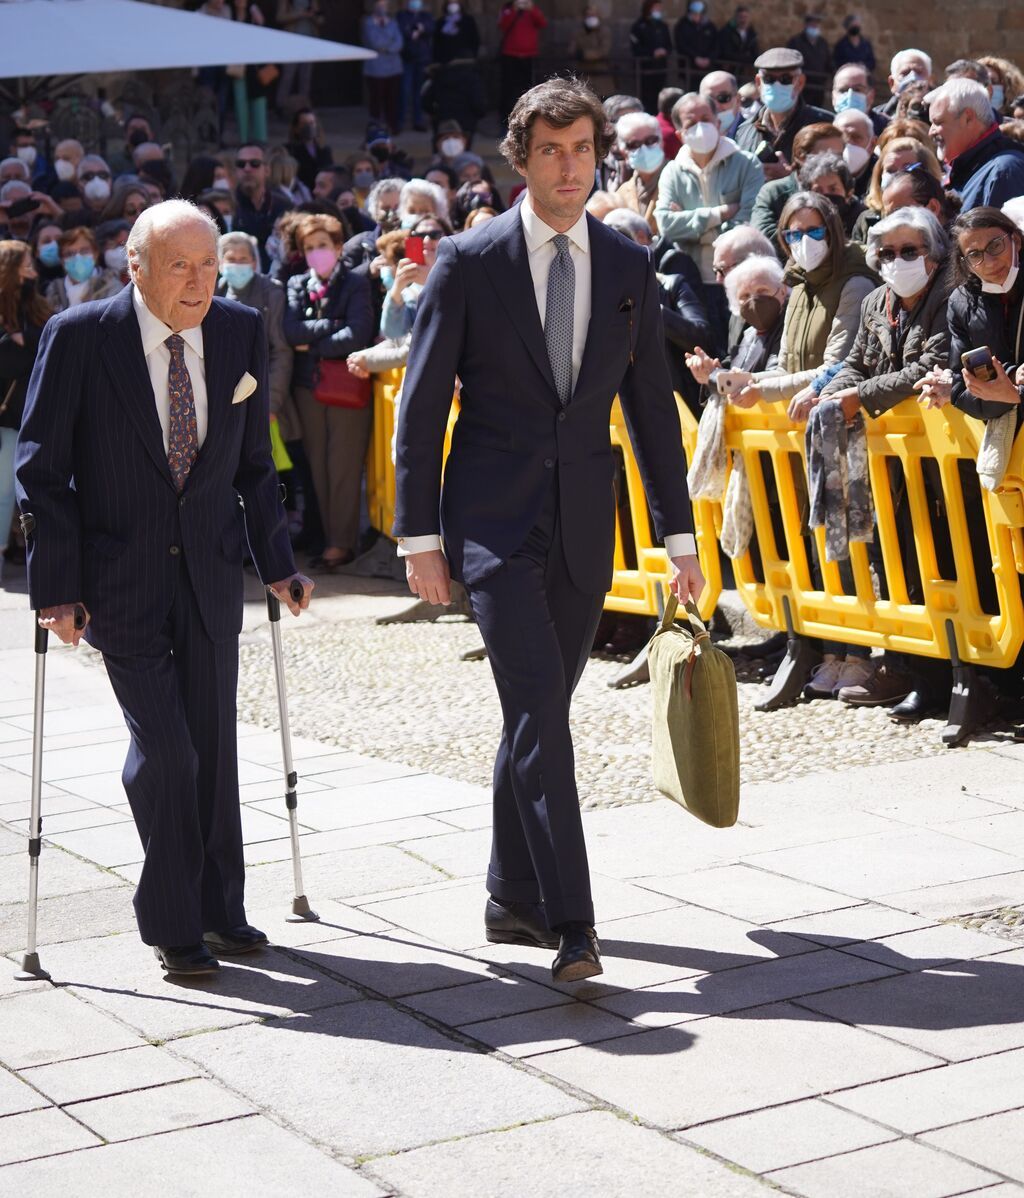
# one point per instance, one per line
(834, 256)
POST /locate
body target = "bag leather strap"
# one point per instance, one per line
(700, 634)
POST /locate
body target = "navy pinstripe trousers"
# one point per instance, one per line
(181, 775)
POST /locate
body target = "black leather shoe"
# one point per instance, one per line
(517, 923)
(190, 958)
(579, 954)
(918, 705)
(229, 943)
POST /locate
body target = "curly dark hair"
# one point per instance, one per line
(560, 102)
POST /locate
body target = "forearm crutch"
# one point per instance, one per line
(300, 904)
(31, 970)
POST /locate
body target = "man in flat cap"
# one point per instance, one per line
(784, 112)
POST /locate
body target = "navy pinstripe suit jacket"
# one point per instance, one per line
(91, 467)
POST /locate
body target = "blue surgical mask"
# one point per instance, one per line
(237, 275)
(646, 159)
(813, 31)
(387, 277)
(851, 100)
(998, 96)
(778, 97)
(657, 14)
(415, 5)
(49, 254)
(79, 267)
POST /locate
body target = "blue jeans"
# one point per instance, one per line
(8, 440)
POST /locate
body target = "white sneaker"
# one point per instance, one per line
(824, 679)
(854, 671)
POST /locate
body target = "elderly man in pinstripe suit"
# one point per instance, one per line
(147, 420)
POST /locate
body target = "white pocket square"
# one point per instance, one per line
(245, 386)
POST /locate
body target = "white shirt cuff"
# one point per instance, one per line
(681, 544)
(410, 545)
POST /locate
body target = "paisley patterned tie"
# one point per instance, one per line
(558, 316)
(183, 439)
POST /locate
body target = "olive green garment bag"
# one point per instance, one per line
(696, 736)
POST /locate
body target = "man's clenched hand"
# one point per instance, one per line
(429, 577)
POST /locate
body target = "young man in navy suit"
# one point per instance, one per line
(146, 427)
(545, 315)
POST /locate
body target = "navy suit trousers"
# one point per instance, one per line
(538, 628)
(181, 775)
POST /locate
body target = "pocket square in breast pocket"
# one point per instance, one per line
(245, 386)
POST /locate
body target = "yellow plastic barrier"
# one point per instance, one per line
(772, 448)
(636, 585)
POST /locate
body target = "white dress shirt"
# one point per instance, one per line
(158, 361)
(541, 250)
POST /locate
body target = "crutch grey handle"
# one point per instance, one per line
(295, 590)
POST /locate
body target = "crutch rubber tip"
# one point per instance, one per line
(31, 970)
(301, 907)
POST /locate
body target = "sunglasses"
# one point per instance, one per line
(792, 236)
(95, 175)
(724, 97)
(651, 140)
(244, 164)
(429, 235)
(994, 248)
(909, 253)
(785, 79)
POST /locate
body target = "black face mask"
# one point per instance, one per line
(854, 31)
(381, 151)
(137, 137)
(762, 312)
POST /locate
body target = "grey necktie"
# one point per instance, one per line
(558, 316)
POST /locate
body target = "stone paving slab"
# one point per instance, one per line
(994, 1142)
(159, 1109)
(960, 897)
(577, 1156)
(899, 1170)
(852, 925)
(39, 1134)
(784, 1136)
(68, 916)
(367, 1079)
(196, 1163)
(465, 1006)
(950, 1094)
(62, 874)
(110, 1073)
(16, 1096)
(965, 1010)
(51, 1025)
(405, 832)
(553, 1028)
(721, 1066)
(929, 948)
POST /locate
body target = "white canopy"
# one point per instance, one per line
(80, 37)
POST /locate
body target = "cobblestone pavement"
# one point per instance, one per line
(401, 692)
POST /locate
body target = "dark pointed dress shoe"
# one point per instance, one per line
(517, 923)
(919, 705)
(188, 959)
(232, 941)
(579, 954)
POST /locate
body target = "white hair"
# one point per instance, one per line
(423, 187)
(894, 66)
(22, 167)
(166, 215)
(239, 241)
(851, 116)
(633, 122)
(382, 187)
(963, 95)
(1014, 209)
(92, 160)
(760, 267)
(744, 242)
(14, 189)
(921, 220)
(629, 224)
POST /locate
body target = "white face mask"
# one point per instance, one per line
(451, 147)
(725, 120)
(809, 254)
(28, 155)
(856, 157)
(116, 258)
(65, 170)
(702, 138)
(1007, 283)
(221, 185)
(97, 189)
(905, 278)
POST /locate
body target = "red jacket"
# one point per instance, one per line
(669, 137)
(520, 28)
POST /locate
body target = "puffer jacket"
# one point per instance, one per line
(977, 319)
(881, 367)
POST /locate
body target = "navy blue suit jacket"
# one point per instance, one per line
(478, 318)
(91, 467)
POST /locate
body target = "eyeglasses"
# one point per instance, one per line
(994, 248)
(95, 175)
(651, 140)
(245, 164)
(792, 236)
(723, 97)
(785, 79)
(909, 253)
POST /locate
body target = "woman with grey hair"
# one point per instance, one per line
(639, 137)
(903, 335)
(420, 198)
